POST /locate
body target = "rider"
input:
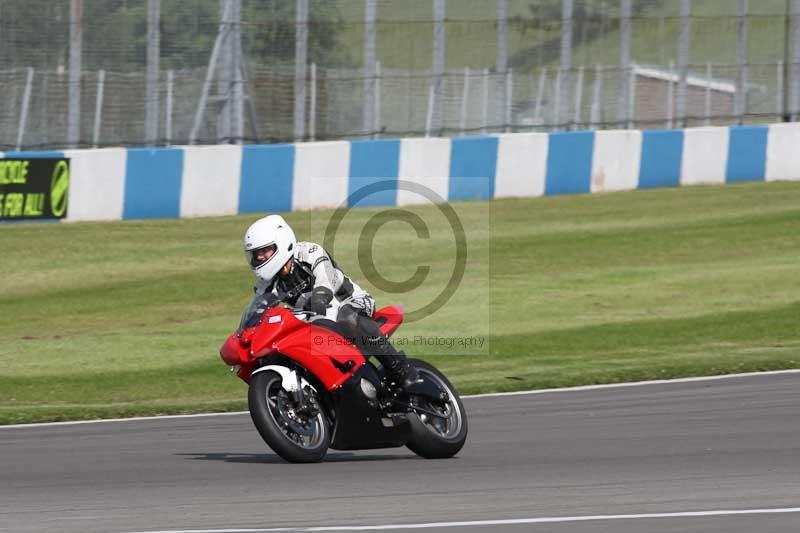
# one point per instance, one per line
(311, 277)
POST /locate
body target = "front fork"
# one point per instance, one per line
(304, 404)
(298, 392)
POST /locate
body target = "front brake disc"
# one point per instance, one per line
(292, 420)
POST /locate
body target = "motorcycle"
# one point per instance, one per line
(312, 388)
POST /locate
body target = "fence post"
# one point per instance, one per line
(439, 7)
(225, 72)
(168, 110)
(409, 105)
(151, 90)
(98, 107)
(537, 112)
(23, 114)
(532, 91)
(795, 97)
(707, 121)
(632, 96)
(238, 73)
(671, 97)
(312, 111)
(485, 100)
(75, 57)
(43, 107)
(429, 116)
(779, 91)
(624, 63)
(501, 64)
(376, 126)
(741, 47)
(578, 98)
(509, 83)
(370, 16)
(462, 123)
(557, 100)
(597, 96)
(683, 59)
(300, 54)
(566, 61)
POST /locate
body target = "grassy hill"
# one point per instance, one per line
(112, 319)
(405, 31)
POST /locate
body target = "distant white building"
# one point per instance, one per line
(655, 93)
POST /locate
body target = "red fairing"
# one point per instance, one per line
(326, 354)
(233, 351)
(314, 347)
(393, 315)
(323, 352)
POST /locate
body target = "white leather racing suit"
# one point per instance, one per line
(313, 267)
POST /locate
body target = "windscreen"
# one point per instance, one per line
(255, 310)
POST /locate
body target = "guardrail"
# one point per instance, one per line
(188, 181)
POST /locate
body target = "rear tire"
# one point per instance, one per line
(268, 408)
(431, 438)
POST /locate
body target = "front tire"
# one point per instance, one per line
(437, 438)
(296, 438)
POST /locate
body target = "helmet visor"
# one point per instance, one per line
(260, 256)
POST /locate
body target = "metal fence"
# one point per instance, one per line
(152, 72)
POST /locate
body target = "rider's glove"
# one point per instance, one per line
(319, 300)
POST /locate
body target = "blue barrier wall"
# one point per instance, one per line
(747, 154)
(153, 183)
(266, 183)
(109, 184)
(569, 163)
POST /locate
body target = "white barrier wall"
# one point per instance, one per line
(705, 155)
(426, 162)
(97, 183)
(521, 164)
(117, 183)
(616, 160)
(321, 171)
(783, 152)
(210, 185)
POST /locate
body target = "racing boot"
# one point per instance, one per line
(398, 368)
(402, 371)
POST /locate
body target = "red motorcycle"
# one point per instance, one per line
(313, 388)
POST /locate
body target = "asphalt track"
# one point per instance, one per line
(561, 462)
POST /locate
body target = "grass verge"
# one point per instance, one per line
(120, 319)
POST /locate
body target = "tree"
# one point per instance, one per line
(35, 33)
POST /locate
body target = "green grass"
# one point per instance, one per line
(405, 32)
(404, 37)
(120, 319)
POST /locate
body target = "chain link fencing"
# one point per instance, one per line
(153, 72)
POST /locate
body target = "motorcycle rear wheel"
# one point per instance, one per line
(271, 409)
(432, 437)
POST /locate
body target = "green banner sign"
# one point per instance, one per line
(33, 188)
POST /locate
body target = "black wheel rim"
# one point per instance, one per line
(302, 431)
(449, 424)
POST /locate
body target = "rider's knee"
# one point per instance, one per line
(348, 317)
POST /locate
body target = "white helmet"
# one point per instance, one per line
(270, 233)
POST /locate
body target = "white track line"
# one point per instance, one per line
(513, 521)
(634, 384)
(469, 396)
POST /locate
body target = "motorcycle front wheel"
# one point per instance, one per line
(442, 436)
(294, 433)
